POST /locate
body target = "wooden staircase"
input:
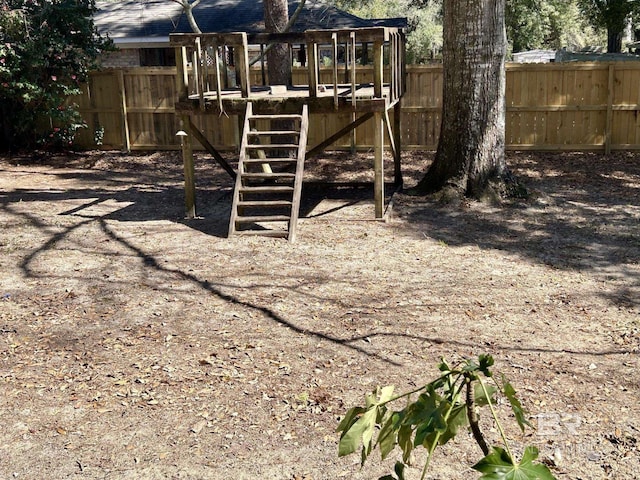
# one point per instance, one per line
(266, 198)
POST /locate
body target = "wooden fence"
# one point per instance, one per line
(555, 106)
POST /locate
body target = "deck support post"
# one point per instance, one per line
(397, 137)
(189, 169)
(378, 165)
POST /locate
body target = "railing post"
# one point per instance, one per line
(242, 73)
(312, 67)
(334, 51)
(378, 65)
(197, 71)
(182, 78)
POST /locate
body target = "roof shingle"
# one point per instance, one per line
(159, 18)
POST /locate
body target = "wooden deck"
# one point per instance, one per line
(204, 60)
(282, 99)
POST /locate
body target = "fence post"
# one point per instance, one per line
(123, 111)
(609, 124)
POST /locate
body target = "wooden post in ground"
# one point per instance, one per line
(182, 90)
(378, 165)
(397, 136)
(189, 169)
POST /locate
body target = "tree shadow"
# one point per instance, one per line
(141, 203)
(583, 215)
(568, 227)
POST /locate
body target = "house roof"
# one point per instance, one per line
(535, 56)
(151, 21)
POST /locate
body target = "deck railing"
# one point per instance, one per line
(206, 62)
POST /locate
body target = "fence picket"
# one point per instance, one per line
(555, 106)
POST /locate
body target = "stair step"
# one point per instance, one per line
(273, 132)
(276, 117)
(270, 160)
(263, 233)
(270, 189)
(262, 218)
(272, 145)
(264, 203)
(268, 175)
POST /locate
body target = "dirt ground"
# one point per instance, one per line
(135, 344)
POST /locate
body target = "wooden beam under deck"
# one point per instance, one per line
(233, 102)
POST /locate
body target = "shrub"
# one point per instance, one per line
(47, 48)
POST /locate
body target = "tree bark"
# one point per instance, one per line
(470, 158)
(276, 18)
(614, 41)
(187, 8)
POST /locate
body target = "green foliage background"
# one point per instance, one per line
(47, 48)
(531, 24)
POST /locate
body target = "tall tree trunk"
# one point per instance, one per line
(614, 41)
(276, 17)
(470, 158)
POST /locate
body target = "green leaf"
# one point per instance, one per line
(435, 423)
(480, 399)
(388, 436)
(422, 409)
(379, 396)
(516, 406)
(360, 431)
(368, 421)
(386, 394)
(498, 465)
(404, 441)
(457, 418)
(443, 366)
(470, 366)
(399, 469)
(485, 361)
(350, 418)
(371, 399)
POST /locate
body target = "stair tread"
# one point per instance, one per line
(268, 175)
(264, 233)
(273, 132)
(266, 189)
(283, 116)
(265, 203)
(270, 160)
(262, 218)
(272, 145)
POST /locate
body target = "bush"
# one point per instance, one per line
(47, 48)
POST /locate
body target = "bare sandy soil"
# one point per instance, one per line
(135, 344)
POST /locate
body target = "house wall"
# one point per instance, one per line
(121, 58)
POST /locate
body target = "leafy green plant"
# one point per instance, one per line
(47, 48)
(441, 408)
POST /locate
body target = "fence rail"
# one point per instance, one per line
(556, 106)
